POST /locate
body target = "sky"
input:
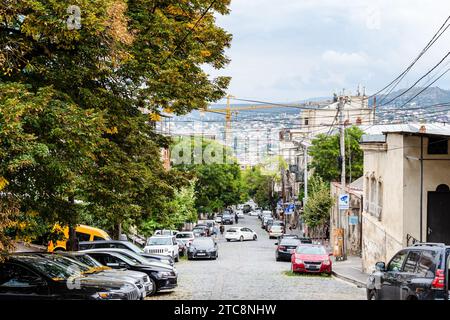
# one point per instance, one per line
(290, 50)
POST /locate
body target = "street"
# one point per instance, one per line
(248, 270)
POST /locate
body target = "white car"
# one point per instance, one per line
(218, 220)
(164, 245)
(240, 234)
(165, 232)
(240, 214)
(253, 213)
(275, 232)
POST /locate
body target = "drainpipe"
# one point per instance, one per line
(421, 187)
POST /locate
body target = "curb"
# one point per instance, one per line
(349, 279)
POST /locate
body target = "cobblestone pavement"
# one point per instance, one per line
(248, 270)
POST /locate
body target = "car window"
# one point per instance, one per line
(397, 261)
(411, 262)
(15, 276)
(83, 236)
(427, 265)
(97, 238)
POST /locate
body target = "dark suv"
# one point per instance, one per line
(419, 272)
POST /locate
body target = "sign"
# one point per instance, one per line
(344, 202)
(353, 220)
(289, 209)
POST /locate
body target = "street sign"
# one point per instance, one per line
(353, 220)
(344, 202)
(289, 209)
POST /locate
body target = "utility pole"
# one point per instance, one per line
(342, 220)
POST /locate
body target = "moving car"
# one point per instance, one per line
(162, 277)
(227, 218)
(240, 234)
(165, 245)
(419, 272)
(275, 231)
(34, 277)
(184, 240)
(240, 214)
(82, 232)
(285, 248)
(126, 245)
(203, 248)
(309, 258)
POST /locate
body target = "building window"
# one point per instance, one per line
(306, 121)
(437, 145)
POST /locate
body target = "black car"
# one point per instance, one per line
(103, 244)
(285, 248)
(200, 231)
(203, 248)
(163, 278)
(227, 218)
(34, 277)
(419, 272)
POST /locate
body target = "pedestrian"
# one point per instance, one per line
(222, 229)
(236, 218)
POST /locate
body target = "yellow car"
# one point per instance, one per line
(83, 233)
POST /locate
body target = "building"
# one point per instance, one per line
(406, 188)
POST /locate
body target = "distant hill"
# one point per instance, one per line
(431, 96)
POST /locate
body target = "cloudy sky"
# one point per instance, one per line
(289, 50)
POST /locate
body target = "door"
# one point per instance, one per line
(390, 285)
(438, 215)
(247, 234)
(407, 274)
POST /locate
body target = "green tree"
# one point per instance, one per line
(325, 154)
(317, 209)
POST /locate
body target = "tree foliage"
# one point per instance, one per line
(317, 208)
(325, 152)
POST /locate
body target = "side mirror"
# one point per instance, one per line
(380, 266)
(276, 243)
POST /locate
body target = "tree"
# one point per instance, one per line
(129, 60)
(325, 154)
(317, 208)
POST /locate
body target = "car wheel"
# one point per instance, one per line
(373, 295)
(277, 258)
(241, 239)
(228, 240)
(155, 289)
(292, 268)
(255, 237)
(177, 258)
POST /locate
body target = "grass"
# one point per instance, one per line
(306, 275)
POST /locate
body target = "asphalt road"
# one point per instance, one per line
(248, 270)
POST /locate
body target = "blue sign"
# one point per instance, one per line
(344, 202)
(290, 209)
(353, 220)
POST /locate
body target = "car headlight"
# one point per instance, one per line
(211, 250)
(109, 295)
(298, 261)
(164, 274)
(326, 262)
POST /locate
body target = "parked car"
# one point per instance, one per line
(200, 231)
(265, 213)
(285, 248)
(126, 245)
(203, 248)
(165, 232)
(266, 220)
(82, 233)
(87, 260)
(218, 219)
(240, 214)
(141, 280)
(184, 239)
(304, 240)
(419, 272)
(253, 213)
(240, 234)
(227, 218)
(34, 277)
(309, 258)
(163, 277)
(275, 231)
(165, 245)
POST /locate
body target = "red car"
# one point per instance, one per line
(311, 258)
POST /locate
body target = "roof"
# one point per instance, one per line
(358, 184)
(437, 129)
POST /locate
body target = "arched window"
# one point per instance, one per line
(443, 188)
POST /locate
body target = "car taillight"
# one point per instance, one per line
(439, 280)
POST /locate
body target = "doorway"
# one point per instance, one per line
(438, 215)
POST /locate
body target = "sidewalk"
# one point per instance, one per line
(350, 270)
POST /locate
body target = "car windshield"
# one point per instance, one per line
(184, 235)
(311, 250)
(134, 256)
(87, 260)
(232, 230)
(159, 241)
(203, 242)
(277, 228)
(52, 269)
(290, 242)
(134, 247)
(198, 229)
(69, 263)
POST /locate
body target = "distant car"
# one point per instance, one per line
(184, 239)
(240, 234)
(200, 231)
(240, 214)
(305, 240)
(165, 245)
(419, 272)
(102, 244)
(309, 258)
(266, 221)
(253, 213)
(218, 219)
(165, 233)
(203, 248)
(275, 231)
(34, 277)
(285, 248)
(227, 219)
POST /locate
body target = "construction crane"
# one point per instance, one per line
(229, 112)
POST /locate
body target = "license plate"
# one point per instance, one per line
(312, 267)
(201, 254)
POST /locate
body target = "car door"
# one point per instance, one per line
(407, 274)
(389, 284)
(17, 282)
